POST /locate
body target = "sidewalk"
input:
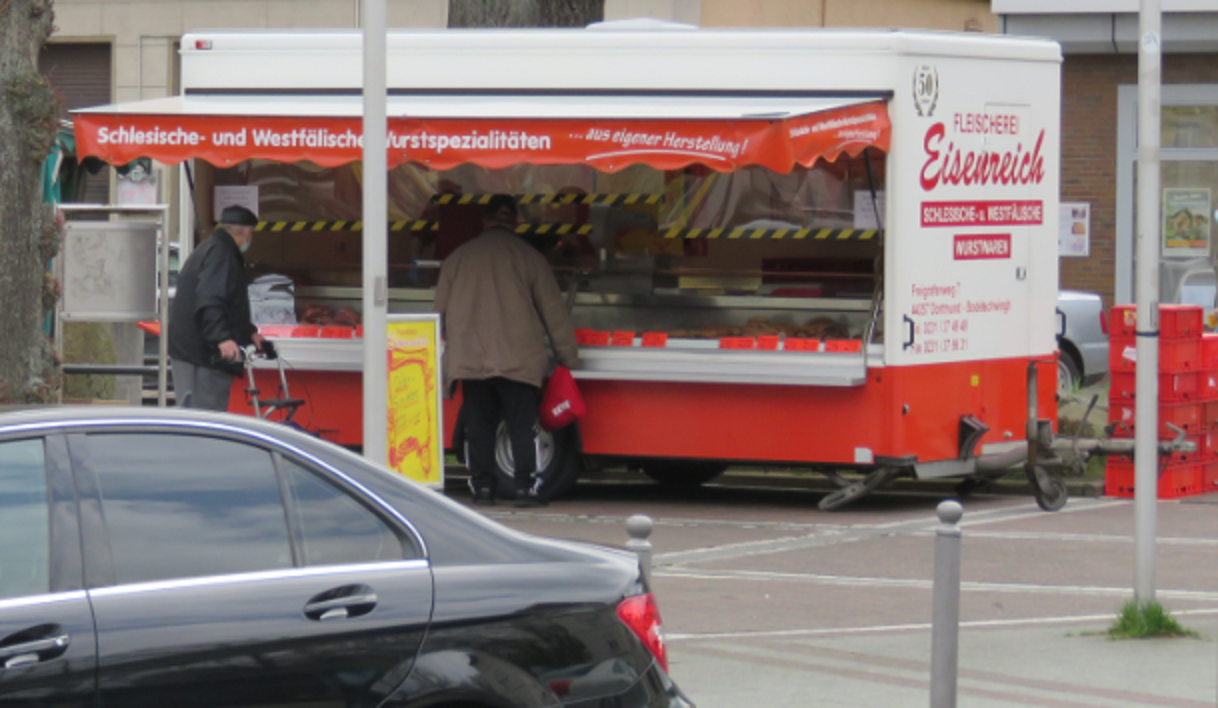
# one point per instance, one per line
(1052, 665)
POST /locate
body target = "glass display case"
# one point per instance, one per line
(689, 274)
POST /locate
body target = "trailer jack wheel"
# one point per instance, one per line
(1051, 493)
(857, 490)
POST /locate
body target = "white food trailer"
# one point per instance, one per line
(833, 249)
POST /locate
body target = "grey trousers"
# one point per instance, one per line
(200, 387)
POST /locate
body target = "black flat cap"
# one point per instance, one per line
(238, 216)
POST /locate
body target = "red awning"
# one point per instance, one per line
(607, 132)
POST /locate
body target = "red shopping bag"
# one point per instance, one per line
(561, 404)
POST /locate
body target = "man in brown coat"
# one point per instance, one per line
(498, 301)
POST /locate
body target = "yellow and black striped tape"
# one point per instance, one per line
(290, 226)
(561, 229)
(407, 225)
(597, 199)
(813, 234)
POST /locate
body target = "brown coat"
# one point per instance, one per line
(498, 300)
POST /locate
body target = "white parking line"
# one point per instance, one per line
(1079, 538)
(919, 627)
(919, 584)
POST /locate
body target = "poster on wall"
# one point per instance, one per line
(416, 425)
(1186, 222)
(234, 195)
(1074, 230)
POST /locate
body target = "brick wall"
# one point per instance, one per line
(1089, 144)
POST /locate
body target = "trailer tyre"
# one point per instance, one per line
(558, 459)
(683, 475)
(1053, 498)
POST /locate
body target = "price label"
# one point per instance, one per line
(844, 346)
(592, 338)
(801, 344)
(737, 343)
(768, 342)
(655, 339)
(622, 339)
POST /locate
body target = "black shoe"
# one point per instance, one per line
(483, 497)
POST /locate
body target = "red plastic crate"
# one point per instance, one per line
(1181, 321)
(1209, 350)
(1209, 385)
(1175, 322)
(1187, 416)
(1123, 321)
(1175, 355)
(1175, 481)
(1209, 477)
(1172, 387)
(1207, 442)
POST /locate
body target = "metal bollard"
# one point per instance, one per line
(945, 618)
(639, 527)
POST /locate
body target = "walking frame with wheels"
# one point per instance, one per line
(263, 408)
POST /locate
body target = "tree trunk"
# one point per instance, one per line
(29, 114)
(524, 13)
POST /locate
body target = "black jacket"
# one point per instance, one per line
(212, 305)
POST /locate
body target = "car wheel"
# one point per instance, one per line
(682, 474)
(558, 459)
(1068, 376)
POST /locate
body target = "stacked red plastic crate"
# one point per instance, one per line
(1186, 368)
(1209, 413)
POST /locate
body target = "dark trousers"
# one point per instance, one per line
(486, 402)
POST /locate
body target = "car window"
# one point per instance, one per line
(180, 506)
(334, 528)
(25, 520)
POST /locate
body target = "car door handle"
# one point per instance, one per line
(341, 603)
(25, 653)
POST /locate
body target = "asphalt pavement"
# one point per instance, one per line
(768, 601)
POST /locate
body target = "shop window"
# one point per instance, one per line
(1190, 127)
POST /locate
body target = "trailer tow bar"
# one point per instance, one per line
(1040, 452)
(1044, 449)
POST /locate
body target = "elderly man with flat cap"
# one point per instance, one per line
(210, 319)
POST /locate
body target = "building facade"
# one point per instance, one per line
(1099, 138)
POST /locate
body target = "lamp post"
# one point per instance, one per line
(375, 239)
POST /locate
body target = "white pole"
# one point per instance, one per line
(376, 246)
(1146, 457)
(945, 607)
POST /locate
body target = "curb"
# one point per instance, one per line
(1075, 486)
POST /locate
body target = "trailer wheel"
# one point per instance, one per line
(558, 459)
(1052, 494)
(682, 474)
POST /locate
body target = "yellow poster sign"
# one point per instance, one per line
(416, 435)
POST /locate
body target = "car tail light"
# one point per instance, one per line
(641, 614)
(1104, 322)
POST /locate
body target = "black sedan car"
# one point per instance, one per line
(172, 558)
